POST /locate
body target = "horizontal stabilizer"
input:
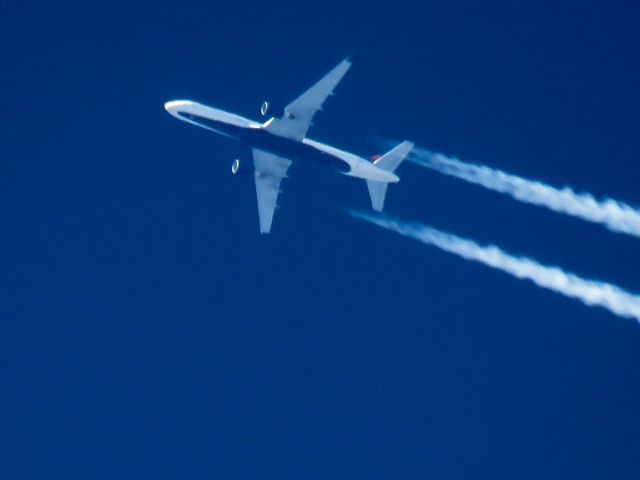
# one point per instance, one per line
(389, 162)
(377, 192)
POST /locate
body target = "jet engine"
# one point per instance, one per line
(239, 169)
(235, 166)
(271, 110)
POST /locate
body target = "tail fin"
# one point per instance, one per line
(389, 162)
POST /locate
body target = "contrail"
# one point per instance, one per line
(616, 216)
(590, 292)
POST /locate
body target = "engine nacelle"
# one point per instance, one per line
(271, 110)
(238, 168)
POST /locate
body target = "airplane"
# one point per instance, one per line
(283, 138)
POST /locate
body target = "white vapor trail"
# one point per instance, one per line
(590, 292)
(616, 216)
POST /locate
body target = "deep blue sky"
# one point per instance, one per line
(147, 330)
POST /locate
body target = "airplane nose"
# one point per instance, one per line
(169, 106)
(175, 105)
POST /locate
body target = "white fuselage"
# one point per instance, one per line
(258, 136)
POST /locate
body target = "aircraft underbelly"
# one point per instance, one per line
(212, 124)
(290, 149)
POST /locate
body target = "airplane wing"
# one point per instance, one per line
(298, 115)
(270, 169)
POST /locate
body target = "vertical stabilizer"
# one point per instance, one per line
(389, 162)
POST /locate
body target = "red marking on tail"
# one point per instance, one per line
(375, 158)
